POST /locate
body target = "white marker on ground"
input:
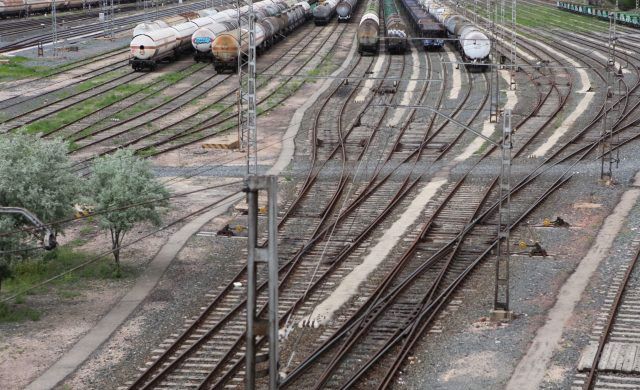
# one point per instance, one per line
(584, 76)
(456, 74)
(349, 285)
(407, 95)
(366, 89)
(569, 121)
(488, 127)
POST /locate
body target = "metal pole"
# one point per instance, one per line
(606, 140)
(268, 256)
(247, 108)
(250, 355)
(54, 28)
(501, 310)
(274, 357)
(514, 45)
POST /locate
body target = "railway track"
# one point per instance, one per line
(179, 123)
(610, 361)
(94, 29)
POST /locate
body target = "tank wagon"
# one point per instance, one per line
(323, 13)
(152, 46)
(626, 18)
(396, 29)
(472, 43)
(224, 48)
(425, 25)
(369, 29)
(203, 37)
(345, 8)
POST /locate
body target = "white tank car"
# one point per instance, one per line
(153, 45)
(145, 27)
(149, 48)
(475, 43)
(472, 41)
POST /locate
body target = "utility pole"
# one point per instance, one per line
(607, 138)
(501, 310)
(495, 75)
(54, 28)
(514, 45)
(247, 114)
(257, 327)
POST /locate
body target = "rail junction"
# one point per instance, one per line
(440, 207)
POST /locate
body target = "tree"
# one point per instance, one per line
(36, 174)
(117, 182)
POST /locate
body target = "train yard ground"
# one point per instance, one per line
(372, 198)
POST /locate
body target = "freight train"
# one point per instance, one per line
(153, 45)
(626, 18)
(369, 29)
(345, 8)
(157, 43)
(433, 33)
(396, 36)
(323, 13)
(203, 37)
(224, 47)
(472, 43)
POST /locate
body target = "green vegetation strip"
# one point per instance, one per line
(141, 105)
(15, 69)
(539, 16)
(82, 109)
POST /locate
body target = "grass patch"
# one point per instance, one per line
(545, 17)
(97, 81)
(78, 111)
(17, 313)
(30, 272)
(16, 69)
(147, 152)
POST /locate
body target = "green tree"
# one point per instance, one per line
(118, 181)
(35, 174)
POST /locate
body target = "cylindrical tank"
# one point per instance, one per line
(396, 29)
(369, 29)
(345, 8)
(475, 44)
(225, 46)
(153, 45)
(323, 13)
(203, 37)
(145, 27)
